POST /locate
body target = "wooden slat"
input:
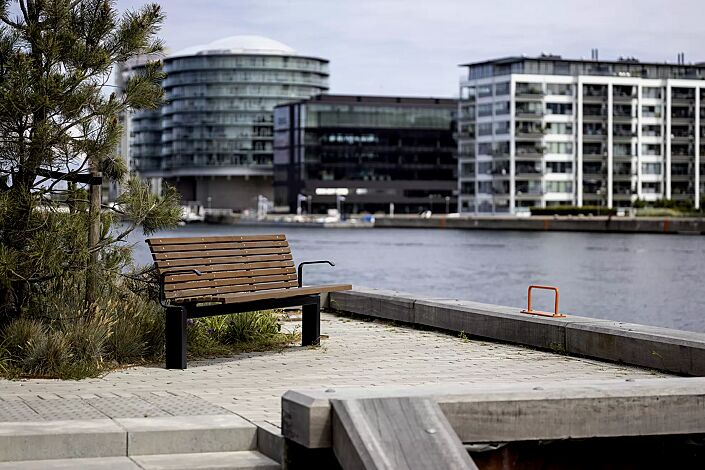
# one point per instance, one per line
(230, 281)
(238, 271)
(218, 246)
(405, 433)
(219, 253)
(237, 298)
(232, 238)
(267, 294)
(191, 293)
(195, 263)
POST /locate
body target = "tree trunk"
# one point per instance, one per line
(93, 236)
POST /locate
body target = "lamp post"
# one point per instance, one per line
(339, 205)
(299, 199)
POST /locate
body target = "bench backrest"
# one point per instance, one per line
(229, 265)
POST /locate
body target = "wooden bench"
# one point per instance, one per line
(206, 276)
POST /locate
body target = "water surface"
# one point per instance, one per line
(642, 278)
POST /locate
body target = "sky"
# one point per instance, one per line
(414, 47)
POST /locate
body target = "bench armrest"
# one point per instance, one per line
(301, 269)
(163, 275)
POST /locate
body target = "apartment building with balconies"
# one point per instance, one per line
(537, 132)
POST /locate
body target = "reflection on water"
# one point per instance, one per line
(650, 279)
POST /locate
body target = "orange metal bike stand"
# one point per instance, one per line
(555, 314)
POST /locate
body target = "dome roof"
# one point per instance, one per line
(239, 45)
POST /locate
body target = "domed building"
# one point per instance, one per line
(216, 128)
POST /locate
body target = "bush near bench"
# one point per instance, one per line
(57, 336)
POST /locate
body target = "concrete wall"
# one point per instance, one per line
(539, 223)
(679, 352)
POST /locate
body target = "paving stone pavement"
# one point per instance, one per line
(355, 353)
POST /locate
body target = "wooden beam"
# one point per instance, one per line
(401, 433)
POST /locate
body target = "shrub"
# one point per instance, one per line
(202, 339)
(251, 326)
(137, 332)
(86, 341)
(46, 355)
(573, 210)
(18, 335)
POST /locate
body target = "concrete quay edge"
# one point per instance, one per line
(668, 225)
(675, 351)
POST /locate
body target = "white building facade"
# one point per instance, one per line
(539, 132)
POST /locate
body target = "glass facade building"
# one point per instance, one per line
(373, 151)
(213, 137)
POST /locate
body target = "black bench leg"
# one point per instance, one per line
(176, 338)
(311, 322)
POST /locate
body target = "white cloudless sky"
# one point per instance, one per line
(414, 47)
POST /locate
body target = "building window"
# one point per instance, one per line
(501, 107)
(565, 89)
(651, 149)
(529, 89)
(622, 150)
(467, 169)
(651, 111)
(484, 110)
(559, 186)
(651, 92)
(484, 128)
(501, 127)
(565, 128)
(559, 167)
(652, 131)
(467, 189)
(484, 91)
(651, 168)
(651, 188)
(565, 148)
(559, 108)
(484, 168)
(501, 89)
(484, 148)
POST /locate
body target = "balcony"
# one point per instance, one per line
(529, 151)
(623, 97)
(525, 188)
(528, 171)
(594, 137)
(683, 137)
(594, 94)
(682, 153)
(597, 151)
(594, 114)
(623, 136)
(622, 114)
(686, 96)
(529, 132)
(529, 92)
(529, 113)
(682, 114)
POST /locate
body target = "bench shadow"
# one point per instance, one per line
(195, 362)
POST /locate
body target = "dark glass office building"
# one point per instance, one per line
(373, 151)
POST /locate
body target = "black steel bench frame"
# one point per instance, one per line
(205, 305)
